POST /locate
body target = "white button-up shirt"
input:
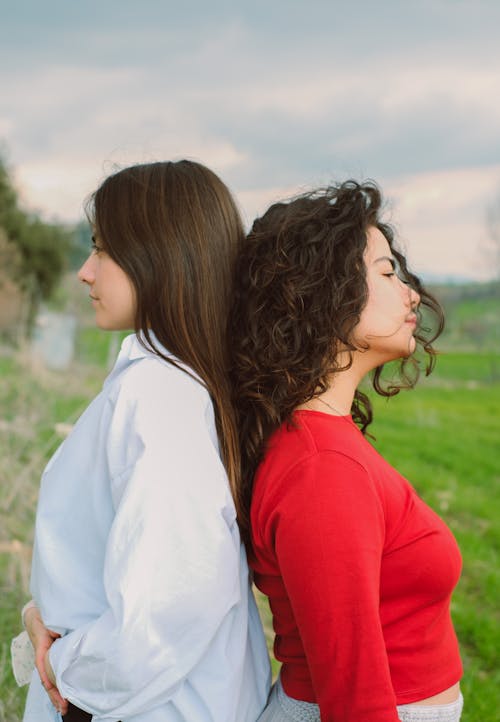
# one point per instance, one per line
(138, 561)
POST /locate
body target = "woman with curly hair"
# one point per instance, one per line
(358, 570)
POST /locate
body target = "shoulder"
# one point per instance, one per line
(323, 472)
(313, 440)
(160, 410)
(323, 493)
(141, 373)
(317, 462)
(151, 382)
(157, 403)
(154, 375)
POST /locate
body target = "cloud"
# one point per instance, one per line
(275, 97)
(53, 190)
(441, 217)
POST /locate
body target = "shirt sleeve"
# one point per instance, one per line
(328, 533)
(171, 563)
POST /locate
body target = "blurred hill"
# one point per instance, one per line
(472, 313)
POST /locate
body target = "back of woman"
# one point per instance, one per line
(142, 608)
(359, 571)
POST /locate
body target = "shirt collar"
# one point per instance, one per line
(132, 349)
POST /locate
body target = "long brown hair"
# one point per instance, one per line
(175, 230)
(301, 287)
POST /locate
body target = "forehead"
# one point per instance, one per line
(377, 245)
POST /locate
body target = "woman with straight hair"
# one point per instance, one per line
(141, 606)
(359, 571)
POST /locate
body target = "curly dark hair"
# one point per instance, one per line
(300, 290)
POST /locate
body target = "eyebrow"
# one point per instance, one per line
(391, 260)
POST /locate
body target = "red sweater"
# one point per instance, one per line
(358, 570)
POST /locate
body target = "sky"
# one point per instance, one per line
(276, 96)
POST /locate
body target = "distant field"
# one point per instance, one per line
(472, 316)
(444, 436)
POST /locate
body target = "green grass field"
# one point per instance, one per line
(444, 436)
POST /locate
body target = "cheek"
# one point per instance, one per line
(380, 317)
(384, 301)
(376, 307)
(125, 293)
(129, 299)
(132, 295)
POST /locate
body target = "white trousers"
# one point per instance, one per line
(282, 708)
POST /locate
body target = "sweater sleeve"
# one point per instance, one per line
(171, 563)
(327, 527)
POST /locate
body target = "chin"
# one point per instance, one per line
(408, 353)
(106, 325)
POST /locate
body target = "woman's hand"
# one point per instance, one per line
(42, 639)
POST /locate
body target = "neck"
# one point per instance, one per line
(339, 395)
(341, 390)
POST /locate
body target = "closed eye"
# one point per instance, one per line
(395, 269)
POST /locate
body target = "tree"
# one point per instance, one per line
(81, 243)
(42, 248)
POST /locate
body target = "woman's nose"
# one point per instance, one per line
(86, 273)
(414, 297)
